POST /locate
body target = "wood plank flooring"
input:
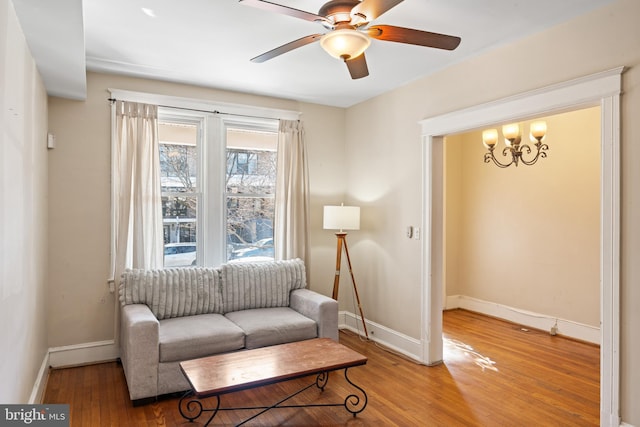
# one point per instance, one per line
(494, 374)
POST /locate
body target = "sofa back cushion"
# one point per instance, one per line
(260, 284)
(173, 292)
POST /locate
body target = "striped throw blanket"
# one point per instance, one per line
(173, 292)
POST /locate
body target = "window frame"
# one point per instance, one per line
(243, 123)
(169, 115)
(211, 144)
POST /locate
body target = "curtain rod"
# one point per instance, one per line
(112, 100)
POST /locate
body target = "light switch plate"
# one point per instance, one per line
(51, 140)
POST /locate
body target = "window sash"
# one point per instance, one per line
(210, 191)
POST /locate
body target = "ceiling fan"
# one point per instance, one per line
(349, 31)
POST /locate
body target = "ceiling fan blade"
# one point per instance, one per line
(286, 48)
(410, 36)
(284, 10)
(357, 67)
(371, 9)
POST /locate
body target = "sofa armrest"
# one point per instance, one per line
(140, 350)
(322, 309)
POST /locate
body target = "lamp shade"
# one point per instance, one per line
(538, 130)
(490, 137)
(341, 218)
(345, 43)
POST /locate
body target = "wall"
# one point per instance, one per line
(83, 309)
(384, 157)
(23, 214)
(529, 237)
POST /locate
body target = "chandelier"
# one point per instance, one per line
(512, 139)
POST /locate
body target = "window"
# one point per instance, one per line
(178, 140)
(250, 192)
(218, 188)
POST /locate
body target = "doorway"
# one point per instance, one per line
(601, 89)
(522, 243)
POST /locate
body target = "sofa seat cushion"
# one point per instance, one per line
(190, 337)
(269, 326)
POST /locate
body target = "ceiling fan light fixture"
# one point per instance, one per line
(345, 43)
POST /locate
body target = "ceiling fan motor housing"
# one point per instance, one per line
(338, 11)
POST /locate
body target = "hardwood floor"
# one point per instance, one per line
(494, 374)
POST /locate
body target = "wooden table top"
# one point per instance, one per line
(241, 370)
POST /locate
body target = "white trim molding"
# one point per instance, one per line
(601, 89)
(543, 322)
(37, 392)
(71, 355)
(395, 341)
(82, 354)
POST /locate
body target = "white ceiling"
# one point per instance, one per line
(209, 43)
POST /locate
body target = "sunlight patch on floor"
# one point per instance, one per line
(455, 350)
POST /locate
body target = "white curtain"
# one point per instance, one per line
(291, 228)
(137, 203)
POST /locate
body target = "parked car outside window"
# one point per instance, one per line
(179, 254)
(258, 251)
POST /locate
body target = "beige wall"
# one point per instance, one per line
(384, 157)
(23, 213)
(82, 308)
(528, 237)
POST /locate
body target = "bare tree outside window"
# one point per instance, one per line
(250, 193)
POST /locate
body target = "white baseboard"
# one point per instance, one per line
(82, 354)
(37, 392)
(71, 355)
(534, 320)
(403, 344)
(625, 425)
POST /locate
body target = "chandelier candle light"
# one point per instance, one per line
(343, 218)
(511, 133)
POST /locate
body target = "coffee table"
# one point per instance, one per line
(226, 373)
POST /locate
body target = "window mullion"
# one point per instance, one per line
(214, 166)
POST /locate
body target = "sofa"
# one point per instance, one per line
(176, 314)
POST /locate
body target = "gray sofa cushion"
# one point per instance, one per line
(260, 284)
(190, 337)
(270, 326)
(173, 292)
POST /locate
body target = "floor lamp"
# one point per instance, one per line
(343, 218)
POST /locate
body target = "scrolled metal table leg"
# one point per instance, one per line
(322, 379)
(193, 408)
(354, 403)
